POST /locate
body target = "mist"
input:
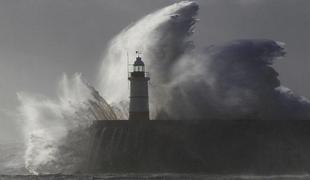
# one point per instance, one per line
(233, 80)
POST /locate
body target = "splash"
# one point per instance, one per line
(235, 80)
(55, 130)
(162, 37)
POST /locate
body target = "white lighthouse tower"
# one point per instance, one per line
(139, 96)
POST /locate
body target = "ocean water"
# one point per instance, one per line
(153, 177)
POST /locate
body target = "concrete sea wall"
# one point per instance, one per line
(213, 147)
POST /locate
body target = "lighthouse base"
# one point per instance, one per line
(139, 116)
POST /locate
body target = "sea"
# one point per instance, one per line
(152, 177)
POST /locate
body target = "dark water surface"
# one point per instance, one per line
(153, 177)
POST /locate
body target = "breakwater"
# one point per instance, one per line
(212, 147)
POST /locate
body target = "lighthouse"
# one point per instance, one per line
(139, 96)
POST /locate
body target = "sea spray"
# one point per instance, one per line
(234, 80)
(162, 37)
(55, 130)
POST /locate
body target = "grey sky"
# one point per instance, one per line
(41, 39)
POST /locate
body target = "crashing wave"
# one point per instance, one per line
(231, 81)
(163, 37)
(55, 130)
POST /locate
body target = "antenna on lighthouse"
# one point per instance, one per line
(128, 69)
(138, 53)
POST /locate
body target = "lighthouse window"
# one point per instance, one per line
(138, 68)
